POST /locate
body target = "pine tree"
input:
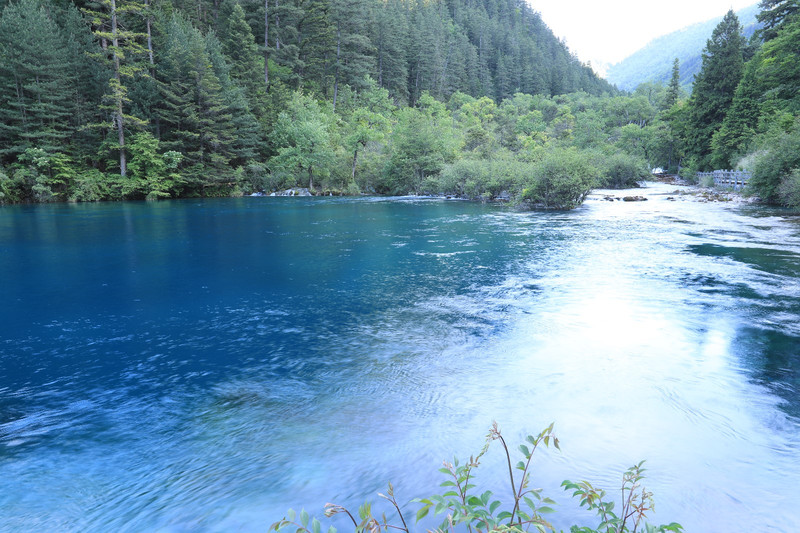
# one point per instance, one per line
(238, 45)
(123, 52)
(741, 120)
(354, 59)
(715, 85)
(390, 39)
(773, 14)
(38, 81)
(674, 87)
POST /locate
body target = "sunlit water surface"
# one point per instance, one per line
(205, 365)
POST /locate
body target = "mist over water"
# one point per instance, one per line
(203, 365)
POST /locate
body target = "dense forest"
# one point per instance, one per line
(121, 99)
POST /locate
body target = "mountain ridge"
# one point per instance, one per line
(653, 62)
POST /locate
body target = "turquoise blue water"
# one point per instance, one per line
(203, 365)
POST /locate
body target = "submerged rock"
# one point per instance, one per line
(634, 199)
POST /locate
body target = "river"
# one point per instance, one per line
(203, 365)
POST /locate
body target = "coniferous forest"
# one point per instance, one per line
(129, 99)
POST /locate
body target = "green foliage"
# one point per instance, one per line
(636, 502)
(39, 78)
(10, 189)
(714, 87)
(561, 180)
(655, 61)
(151, 173)
(89, 185)
(421, 144)
(775, 163)
(468, 508)
(302, 140)
(622, 171)
(42, 176)
(789, 189)
(483, 179)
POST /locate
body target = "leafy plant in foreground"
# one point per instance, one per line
(469, 510)
(636, 502)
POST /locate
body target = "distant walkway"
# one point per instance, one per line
(728, 178)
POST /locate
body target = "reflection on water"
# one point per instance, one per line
(204, 365)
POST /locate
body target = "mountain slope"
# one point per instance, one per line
(654, 61)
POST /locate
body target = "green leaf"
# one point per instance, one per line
(524, 449)
(529, 503)
(474, 501)
(292, 515)
(447, 484)
(493, 507)
(520, 466)
(504, 515)
(304, 518)
(331, 529)
(422, 513)
(545, 509)
(315, 526)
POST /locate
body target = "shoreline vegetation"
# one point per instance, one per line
(123, 100)
(468, 508)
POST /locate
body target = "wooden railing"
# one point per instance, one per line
(728, 178)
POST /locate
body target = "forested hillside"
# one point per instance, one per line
(127, 100)
(654, 61)
(134, 98)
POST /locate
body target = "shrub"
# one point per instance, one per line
(89, 186)
(471, 510)
(776, 164)
(789, 189)
(482, 178)
(622, 171)
(10, 189)
(561, 180)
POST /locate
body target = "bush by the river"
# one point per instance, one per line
(622, 171)
(469, 508)
(561, 180)
(775, 173)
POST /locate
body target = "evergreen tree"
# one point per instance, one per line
(674, 87)
(38, 81)
(715, 85)
(238, 45)
(123, 52)
(390, 39)
(354, 59)
(741, 120)
(773, 14)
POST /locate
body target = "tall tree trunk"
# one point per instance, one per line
(380, 62)
(277, 27)
(355, 158)
(149, 37)
(266, 44)
(123, 167)
(336, 74)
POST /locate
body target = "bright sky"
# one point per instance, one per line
(605, 32)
